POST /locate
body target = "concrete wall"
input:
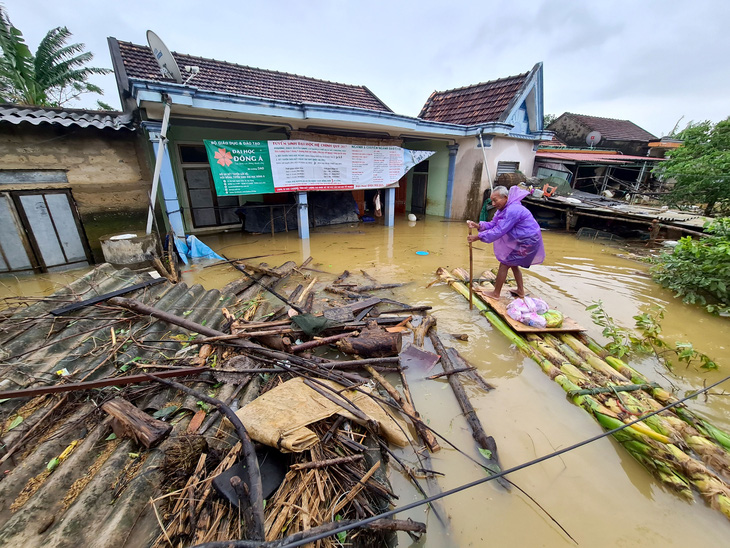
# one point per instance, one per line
(107, 179)
(570, 131)
(470, 178)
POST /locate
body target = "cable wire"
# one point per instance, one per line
(495, 476)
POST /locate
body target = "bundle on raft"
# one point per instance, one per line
(680, 448)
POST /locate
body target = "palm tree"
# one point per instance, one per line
(55, 75)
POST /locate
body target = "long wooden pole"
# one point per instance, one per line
(426, 435)
(471, 273)
(483, 440)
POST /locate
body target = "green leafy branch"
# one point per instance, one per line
(648, 341)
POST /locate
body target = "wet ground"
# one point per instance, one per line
(598, 493)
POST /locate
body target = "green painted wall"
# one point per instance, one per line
(181, 134)
(438, 171)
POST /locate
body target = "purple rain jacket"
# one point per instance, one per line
(515, 233)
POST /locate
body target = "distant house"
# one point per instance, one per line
(622, 135)
(67, 177)
(219, 101)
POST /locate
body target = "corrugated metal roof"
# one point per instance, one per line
(99, 493)
(100, 119)
(595, 158)
(475, 104)
(66, 481)
(220, 76)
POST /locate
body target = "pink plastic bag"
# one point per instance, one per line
(527, 311)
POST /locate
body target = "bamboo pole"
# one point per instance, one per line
(647, 441)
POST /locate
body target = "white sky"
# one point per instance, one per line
(647, 61)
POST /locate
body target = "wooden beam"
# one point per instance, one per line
(88, 385)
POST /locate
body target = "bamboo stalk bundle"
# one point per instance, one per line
(681, 449)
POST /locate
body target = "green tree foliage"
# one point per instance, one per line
(700, 167)
(548, 119)
(55, 75)
(699, 270)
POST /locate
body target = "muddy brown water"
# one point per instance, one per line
(598, 493)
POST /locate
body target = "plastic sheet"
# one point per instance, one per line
(279, 418)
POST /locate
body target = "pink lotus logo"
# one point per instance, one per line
(224, 157)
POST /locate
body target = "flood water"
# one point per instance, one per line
(598, 493)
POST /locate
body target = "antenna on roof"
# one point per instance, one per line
(193, 71)
(593, 138)
(168, 65)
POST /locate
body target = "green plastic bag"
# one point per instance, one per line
(553, 318)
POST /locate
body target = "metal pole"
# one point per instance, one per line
(162, 143)
(486, 166)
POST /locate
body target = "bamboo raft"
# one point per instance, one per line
(679, 448)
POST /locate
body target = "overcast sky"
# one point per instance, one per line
(651, 62)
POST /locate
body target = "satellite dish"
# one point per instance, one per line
(168, 65)
(593, 138)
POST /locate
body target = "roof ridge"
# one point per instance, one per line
(359, 86)
(522, 75)
(603, 118)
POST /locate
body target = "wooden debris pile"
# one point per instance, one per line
(92, 389)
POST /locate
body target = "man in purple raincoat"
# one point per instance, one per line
(515, 234)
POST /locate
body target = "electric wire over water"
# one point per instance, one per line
(476, 482)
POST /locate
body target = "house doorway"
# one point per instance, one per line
(41, 231)
(419, 188)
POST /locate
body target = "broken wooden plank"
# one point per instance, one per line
(131, 422)
(87, 385)
(339, 314)
(426, 435)
(261, 269)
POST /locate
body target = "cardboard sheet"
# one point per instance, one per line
(500, 307)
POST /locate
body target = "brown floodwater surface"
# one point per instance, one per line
(598, 493)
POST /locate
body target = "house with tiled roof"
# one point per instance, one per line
(622, 135)
(436, 161)
(67, 178)
(513, 104)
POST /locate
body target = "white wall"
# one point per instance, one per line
(468, 185)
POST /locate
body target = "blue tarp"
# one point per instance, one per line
(192, 248)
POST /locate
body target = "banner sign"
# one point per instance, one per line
(261, 167)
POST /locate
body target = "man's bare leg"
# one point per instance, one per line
(518, 279)
(499, 282)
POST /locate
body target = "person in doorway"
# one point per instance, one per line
(515, 234)
(486, 206)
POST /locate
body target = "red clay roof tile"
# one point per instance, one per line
(612, 129)
(220, 76)
(476, 104)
